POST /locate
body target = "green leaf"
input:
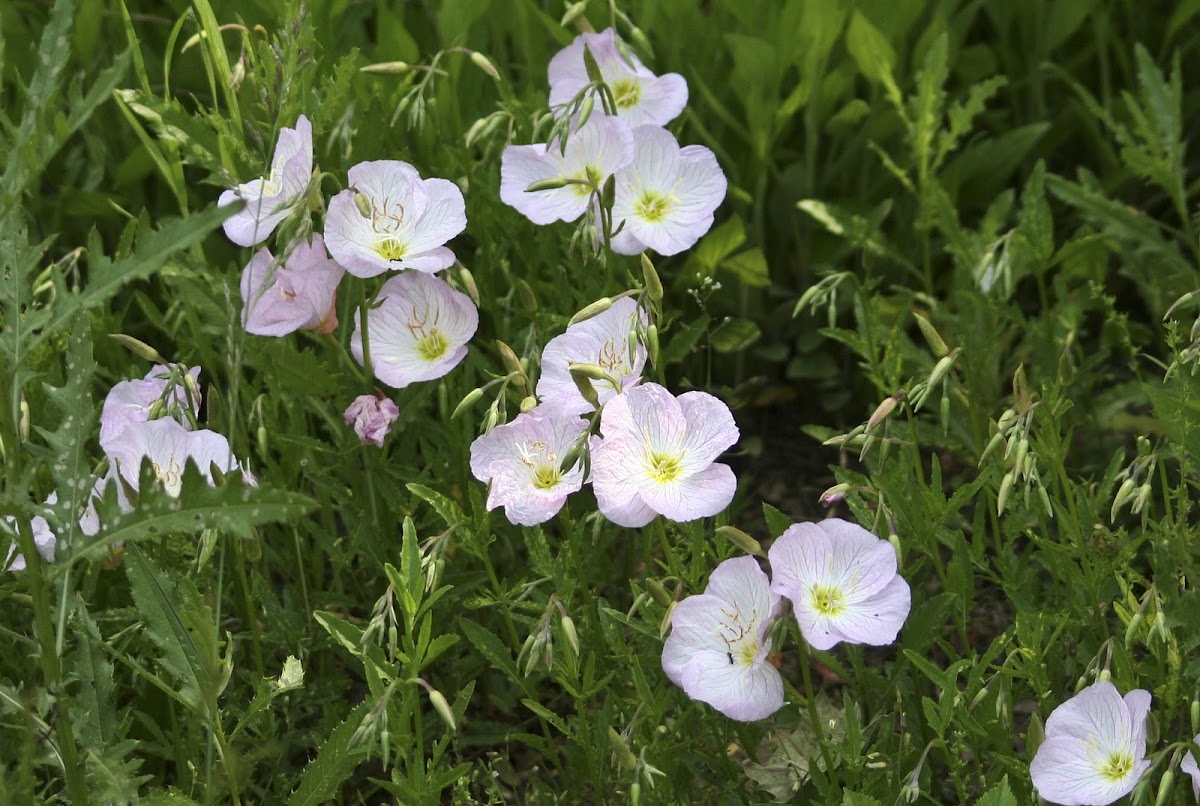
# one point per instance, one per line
(548, 715)
(720, 242)
(870, 49)
(684, 341)
(858, 799)
(927, 622)
(336, 759)
(490, 647)
(750, 266)
(449, 511)
(777, 522)
(733, 335)
(999, 795)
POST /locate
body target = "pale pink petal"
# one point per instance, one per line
(710, 429)
(744, 693)
(1062, 773)
(169, 447)
(601, 340)
(741, 579)
(624, 243)
(700, 495)
(799, 558)
(520, 167)
(348, 233)
(1189, 766)
(618, 477)
(257, 219)
(658, 417)
(877, 619)
(631, 512)
(444, 216)
(372, 418)
(662, 100)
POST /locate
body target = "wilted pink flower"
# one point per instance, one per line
(642, 97)
(270, 199)
(372, 418)
(600, 148)
(1189, 766)
(842, 582)
(718, 647)
(129, 402)
(656, 456)
(1094, 752)
(522, 461)
(293, 294)
(169, 446)
(391, 218)
(419, 331)
(602, 340)
(666, 196)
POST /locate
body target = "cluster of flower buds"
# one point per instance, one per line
(1012, 430)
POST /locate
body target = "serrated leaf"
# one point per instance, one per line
(683, 341)
(927, 622)
(999, 795)
(548, 715)
(336, 759)
(449, 511)
(490, 647)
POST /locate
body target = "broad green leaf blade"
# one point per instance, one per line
(336, 759)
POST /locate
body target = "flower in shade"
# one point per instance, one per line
(641, 97)
(296, 293)
(717, 650)
(522, 462)
(130, 402)
(1189, 766)
(419, 331)
(656, 455)
(842, 583)
(1094, 752)
(372, 418)
(270, 199)
(391, 218)
(601, 147)
(666, 196)
(43, 536)
(169, 446)
(603, 340)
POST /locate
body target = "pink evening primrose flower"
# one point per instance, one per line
(1094, 752)
(391, 218)
(601, 147)
(296, 293)
(270, 199)
(718, 647)
(169, 446)
(44, 538)
(656, 455)
(642, 98)
(419, 331)
(667, 195)
(602, 340)
(1189, 766)
(842, 583)
(522, 462)
(372, 418)
(129, 402)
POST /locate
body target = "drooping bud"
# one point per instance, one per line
(485, 64)
(526, 296)
(589, 64)
(626, 760)
(568, 628)
(509, 358)
(553, 183)
(834, 495)
(138, 348)
(468, 282)
(585, 110)
(467, 401)
(438, 701)
(884, 410)
(742, 540)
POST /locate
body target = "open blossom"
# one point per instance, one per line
(296, 293)
(129, 402)
(1189, 766)
(642, 97)
(269, 200)
(169, 446)
(667, 195)
(601, 147)
(419, 331)
(390, 218)
(718, 647)
(43, 536)
(842, 582)
(602, 340)
(656, 455)
(1094, 752)
(522, 460)
(372, 418)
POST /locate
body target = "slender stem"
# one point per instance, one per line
(366, 334)
(811, 702)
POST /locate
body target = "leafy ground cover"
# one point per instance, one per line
(850, 460)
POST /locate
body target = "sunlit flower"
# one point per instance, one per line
(667, 195)
(522, 460)
(718, 647)
(372, 418)
(603, 340)
(269, 200)
(601, 147)
(842, 583)
(1189, 766)
(130, 402)
(419, 331)
(390, 218)
(1094, 752)
(169, 446)
(642, 97)
(656, 455)
(293, 294)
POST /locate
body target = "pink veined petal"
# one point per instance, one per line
(520, 167)
(617, 475)
(347, 234)
(631, 513)
(862, 564)
(624, 242)
(710, 429)
(1096, 711)
(555, 384)
(1138, 703)
(444, 217)
(818, 629)
(799, 558)
(272, 305)
(744, 693)
(1062, 773)
(700, 495)
(741, 580)
(662, 100)
(696, 624)
(1189, 766)
(429, 262)
(603, 143)
(657, 417)
(255, 222)
(655, 166)
(700, 184)
(877, 620)
(393, 180)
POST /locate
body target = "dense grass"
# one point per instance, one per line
(984, 212)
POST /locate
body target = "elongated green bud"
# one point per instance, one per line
(469, 400)
(1006, 421)
(1139, 501)
(652, 344)
(568, 628)
(363, 204)
(585, 110)
(608, 193)
(573, 12)
(626, 760)
(1164, 786)
(1123, 494)
(1005, 489)
(662, 597)
(468, 281)
(509, 358)
(554, 183)
(485, 64)
(1019, 455)
(932, 337)
(742, 540)
(993, 443)
(261, 438)
(23, 423)
(595, 309)
(138, 348)
(654, 286)
(584, 384)
(593, 69)
(884, 410)
(438, 701)
(386, 68)
(1021, 390)
(573, 456)
(1131, 630)
(942, 367)
(526, 296)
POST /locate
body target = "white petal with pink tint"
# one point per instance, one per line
(603, 340)
(280, 297)
(270, 200)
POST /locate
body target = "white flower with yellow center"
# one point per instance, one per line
(271, 199)
(718, 647)
(390, 218)
(656, 455)
(842, 583)
(522, 461)
(168, 447)
(666, 196)
(607, 341)
(419, 331)
(1094, 752)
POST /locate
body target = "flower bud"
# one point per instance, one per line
(585, 110)
(834, 495)
(589, 64)
(884, 410)
(568, 628)
(292, 676)
(553, 183)
(438, 701)
(932, 337)
(574, 10)
(663, 598)
(993, 443)
(526, 297)
(363, 203)
(509, 358)
(260, 436)
(742, 540)
(626, 760)
(652, 344)
(1005, 490)
(594, 309)
(484, 64)
(386, 68)
(467, 401)
(1164, 786)
(654, 287)
(468, 281)
(942, 367)
(608, 194)
(23, 424)
(138, 348)
(1139, 501)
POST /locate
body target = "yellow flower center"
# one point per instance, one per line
(433, 345)
(663, 468)
(626, 92)
(546, 477)
(652, 207)
(828, 601)
(390, 248)
(747, 651)
(1116, 767)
